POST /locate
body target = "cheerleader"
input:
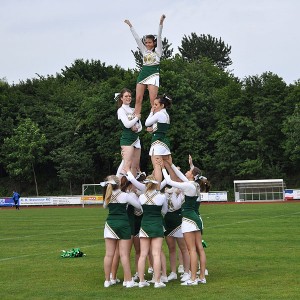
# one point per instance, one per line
(192, 225)
(129, 141)
(152, 232)
(151, 49)
(158, 123)
(117, 231)
(173, 232)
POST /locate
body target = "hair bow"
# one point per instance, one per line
(105, 183)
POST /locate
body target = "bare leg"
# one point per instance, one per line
(110, 247)
(145, 246)
(172, 252)
(115, 262)
(190, 239)
(153, 90)
(124, 248)
(127, 154)
(156, 170)
(156, 245)
(136, 243)
(163, 263)
(180, 259)
(201, 253)
(140, 90)
(135, 166)
(184, 253)
(150, 259)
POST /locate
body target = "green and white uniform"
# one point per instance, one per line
(154, 206)
(128, 120)
(173, 217)
(117, 224)
(160, 122)
(151, 59)
(191, 221)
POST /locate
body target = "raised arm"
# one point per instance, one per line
(136, 36)
(130, 200)
(140, 186)
(178, 173)
(159, 40)
(184, 186)
(191, 162)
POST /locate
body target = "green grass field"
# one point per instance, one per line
(253, 253)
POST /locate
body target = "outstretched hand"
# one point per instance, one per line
(128, 23)
(191, 162)
(162, 18)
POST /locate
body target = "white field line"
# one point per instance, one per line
(47, 233)
(252, 220)
(38, 254)
(216, 226)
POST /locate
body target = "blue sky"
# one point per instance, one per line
(44, 36)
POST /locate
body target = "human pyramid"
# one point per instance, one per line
(143, 210)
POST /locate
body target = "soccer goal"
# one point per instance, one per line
(259, 190)
(91, 194)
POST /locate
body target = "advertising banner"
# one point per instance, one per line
(5, 201)
(214, 196)
(26, 201)
(292, 194)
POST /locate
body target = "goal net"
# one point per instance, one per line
(91, 194)
(259, 190)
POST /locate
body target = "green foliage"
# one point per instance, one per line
(24, 148)
(234, 129)
(196, 47)
(291, 129)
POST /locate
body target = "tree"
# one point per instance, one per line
(72, 162)
(23, 150)
(291, 129)
(196, 47)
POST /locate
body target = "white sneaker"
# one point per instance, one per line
(135, 276)
(163, 279)
(159, 285)
(205, 273)
(124, 283)
(202, 281)
(107, 283)
(143, 283)
(180, 269)
(150, 270)
(131, 284)
(190, 282)
(185, 277)
(172, 276)
(115, 281)
(152, 280)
